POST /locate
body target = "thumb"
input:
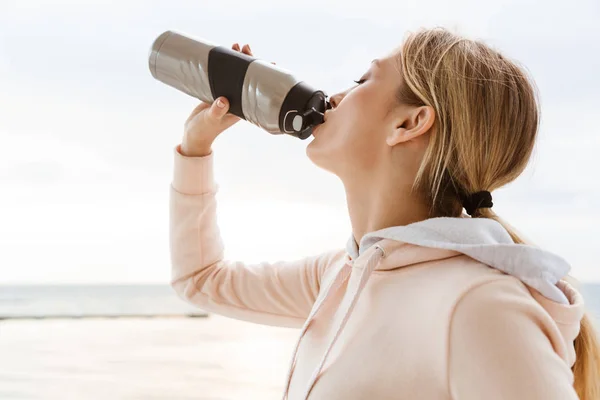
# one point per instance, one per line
(219, 108)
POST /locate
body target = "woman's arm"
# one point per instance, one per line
(280, 293)
(502, 346)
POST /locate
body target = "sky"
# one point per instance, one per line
(87, 135)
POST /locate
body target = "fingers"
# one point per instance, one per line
(218, 113)
(246, 50)
(203, 105)
(219, 108)
(197, 109)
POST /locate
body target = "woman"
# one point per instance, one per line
(425, 302)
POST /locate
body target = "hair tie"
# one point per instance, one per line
(477, 200)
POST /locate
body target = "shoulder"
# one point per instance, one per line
(498, 304)
(494, 295)
(501, 315)
(501, 339)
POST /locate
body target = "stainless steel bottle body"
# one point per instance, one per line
(258, 91)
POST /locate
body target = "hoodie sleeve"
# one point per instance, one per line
(502, 346)
(280, 293)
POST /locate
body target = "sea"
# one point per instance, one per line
(118, 301)
(81, 301)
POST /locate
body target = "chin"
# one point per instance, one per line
(312, 152)
(320, 156)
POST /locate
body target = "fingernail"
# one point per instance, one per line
(220, 103)
(249, 49)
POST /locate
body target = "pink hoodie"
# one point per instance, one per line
(446, 308)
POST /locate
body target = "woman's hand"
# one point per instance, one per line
(207, 121)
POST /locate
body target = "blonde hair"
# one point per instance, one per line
(487, 119)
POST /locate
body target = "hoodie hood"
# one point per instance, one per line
(486, 241)
(482, 239)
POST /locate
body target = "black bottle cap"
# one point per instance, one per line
(302, 109)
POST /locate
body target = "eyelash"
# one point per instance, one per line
(360, 81)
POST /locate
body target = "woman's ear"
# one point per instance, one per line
(411, 123)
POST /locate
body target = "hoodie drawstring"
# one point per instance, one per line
(337, 282)
(339, 279)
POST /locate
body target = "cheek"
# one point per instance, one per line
(355, 119)
(350, 138)
(361, 129)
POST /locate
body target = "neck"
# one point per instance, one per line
(381, 204)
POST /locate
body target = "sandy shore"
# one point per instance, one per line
(143, 358)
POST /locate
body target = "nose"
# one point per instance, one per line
(335, 99)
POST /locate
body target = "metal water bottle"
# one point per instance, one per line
(258, 91)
